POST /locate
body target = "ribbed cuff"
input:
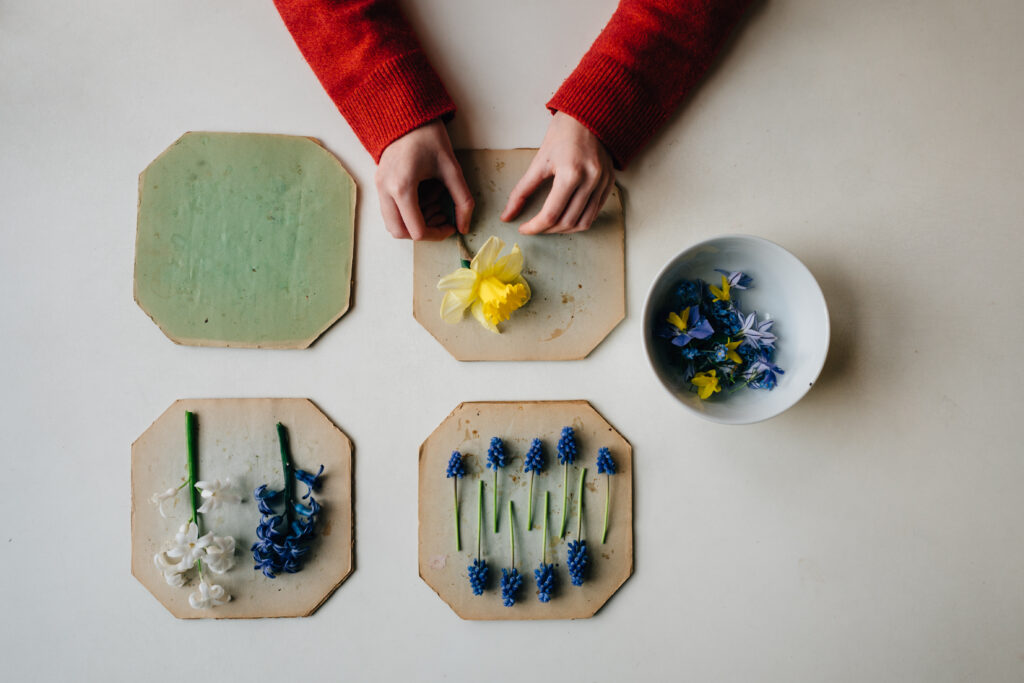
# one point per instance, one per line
(402, 94)
(613, 105)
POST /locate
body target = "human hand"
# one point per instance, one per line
(583, 173)
(411, 178)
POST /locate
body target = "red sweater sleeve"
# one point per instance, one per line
(650, 56)
(371, 65)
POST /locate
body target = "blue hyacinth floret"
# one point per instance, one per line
(577, 562)
(567, 446)
(718, 344)
(534, 461)
(545, 576)
(496, 454)
(284, 540)
(478, 572)
(456, 468)
(605, 464)
(511, 582)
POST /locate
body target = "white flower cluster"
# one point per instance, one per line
(216, 553)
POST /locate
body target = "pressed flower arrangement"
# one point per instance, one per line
(719, 345)
(284, 539)
(189, 550)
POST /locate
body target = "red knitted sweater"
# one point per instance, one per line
(649, 57)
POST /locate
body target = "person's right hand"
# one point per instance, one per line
(412, 176)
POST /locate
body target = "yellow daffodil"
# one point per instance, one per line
(706, 383)
(723, 293)
(491, 288)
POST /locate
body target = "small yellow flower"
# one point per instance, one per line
(731, 351)
(706, 383)
(491, 288)
(723, 293)
(678, 320)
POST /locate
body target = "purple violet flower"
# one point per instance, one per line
(736, 279)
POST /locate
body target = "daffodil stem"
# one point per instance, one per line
(192, 448)
(544, 538)
(495, 508)
(286, 467)
(579, 505)
(465, 256)
(455, 491)
(529, 506)
(565, 497)
(607, 502)
(512, 533)
(479, 514)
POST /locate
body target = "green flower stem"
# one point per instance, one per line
(455, 491)
(565, 497)
(192, 446)
(579, 505)
(479, 514)
(495, 508)
(544, 538)
(529, 506)
(286, 466)
(465, 256)
(512, 532)
(607, 502)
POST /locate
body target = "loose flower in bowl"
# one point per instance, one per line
(491, 286)
(727, 316)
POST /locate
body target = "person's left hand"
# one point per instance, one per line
(583, 179)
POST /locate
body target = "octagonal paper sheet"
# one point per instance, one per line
(469, 429)
(238, 439)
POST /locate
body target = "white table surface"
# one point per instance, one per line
(872, 533)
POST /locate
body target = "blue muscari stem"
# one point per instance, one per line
(478, 570)
(566, 456)
(579, 504)
(533, 463)
(496, 460)
(545, 573)
(511, 580)
(456, 470)
(606, 466)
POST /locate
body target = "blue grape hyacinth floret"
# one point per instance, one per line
(605, 464)
(534, 461)
(496, 454)
(577, 562)
(456, 467)
(567, 446)
(511, 582)
(545, 577)
(478, 572)
(283, 541)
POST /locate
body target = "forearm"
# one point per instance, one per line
(646, 61)
(371, 65)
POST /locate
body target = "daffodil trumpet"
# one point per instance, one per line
(491, 286)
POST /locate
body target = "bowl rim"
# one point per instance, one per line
(646, 322)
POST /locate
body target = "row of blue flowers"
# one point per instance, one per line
(545, 576)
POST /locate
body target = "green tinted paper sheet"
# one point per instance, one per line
(244, 240)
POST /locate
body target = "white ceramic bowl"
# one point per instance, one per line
(783, 289)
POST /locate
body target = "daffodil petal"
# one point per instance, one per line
(461, 279)
(509, 266)
(520, 280)
(487, 255)
(454, 305)
(477, 309)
